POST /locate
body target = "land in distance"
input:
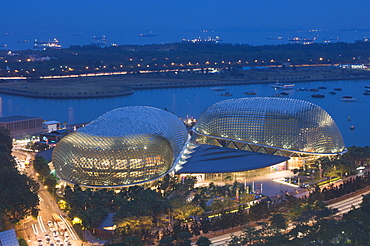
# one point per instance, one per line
(117, 85)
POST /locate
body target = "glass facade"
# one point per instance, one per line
(126, 146)
(281, 123)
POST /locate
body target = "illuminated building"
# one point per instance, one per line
(126, 146)
(277, 126)
(22, 126)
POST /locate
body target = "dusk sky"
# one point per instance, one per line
(162, 15)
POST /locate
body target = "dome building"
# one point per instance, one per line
(271, 125)
(126, 146)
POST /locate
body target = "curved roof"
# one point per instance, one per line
(215, 159)
(125, 146)
(282, 123)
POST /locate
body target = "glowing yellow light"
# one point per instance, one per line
(76, 220)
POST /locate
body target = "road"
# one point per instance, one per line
(344, 206)
(50, 228)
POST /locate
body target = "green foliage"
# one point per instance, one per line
(22, 242)
(203, 241)
(5, 140)
(18, 196)
(279, 221)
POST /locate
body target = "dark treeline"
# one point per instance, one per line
(18, 192)
(155, 57)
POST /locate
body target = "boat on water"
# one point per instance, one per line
(277, 95)
(208, 39)
(250, 93)
(332, 93)
(226, 94)
(43, 45)
(317, 95)
(366, 93)
(323, 87)
(299, 40)
(348, 99)
(149, 34)
(337, 89)
(284, 93)
(367, 86)
(218, 88)
(352, 127)
(279, 85)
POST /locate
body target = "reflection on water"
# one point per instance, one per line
(193, 101)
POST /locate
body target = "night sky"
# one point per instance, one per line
(169, 15)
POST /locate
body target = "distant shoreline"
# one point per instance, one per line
(115, 85)
(33, 94)
(236, 82)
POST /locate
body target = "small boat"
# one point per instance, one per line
(218, 88)
(226, 94)
(250, 93)
(279, 85)
(367, 86)
(317, 95)
(301, 89)
(332, 93)
(352, 127)
(337, 89)
(367, 90)
(348, 99)
(284, 93)
(323, 87)
(366, 93)
(314, 89)
(277, 95)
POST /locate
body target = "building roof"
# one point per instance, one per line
(16, 118)
(107, 224)
(8, 238)
(214, 159)
(123, 147)
(282, 123)
(51, 122)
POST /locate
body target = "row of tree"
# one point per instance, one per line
(18, 193)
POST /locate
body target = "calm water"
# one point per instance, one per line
(193, 101)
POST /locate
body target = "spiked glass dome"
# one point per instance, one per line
(281, 123)
(125, 146)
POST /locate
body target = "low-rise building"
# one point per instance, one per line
(22, 126)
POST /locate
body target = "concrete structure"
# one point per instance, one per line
(51, 125)
(278, 126)
(22, 126)
(8, 238)
(123, 147)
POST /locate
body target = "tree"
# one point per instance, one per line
(203, 241)
(18, 196)
(278, 221)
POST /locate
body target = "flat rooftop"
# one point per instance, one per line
(16, 118)
(214, 159)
